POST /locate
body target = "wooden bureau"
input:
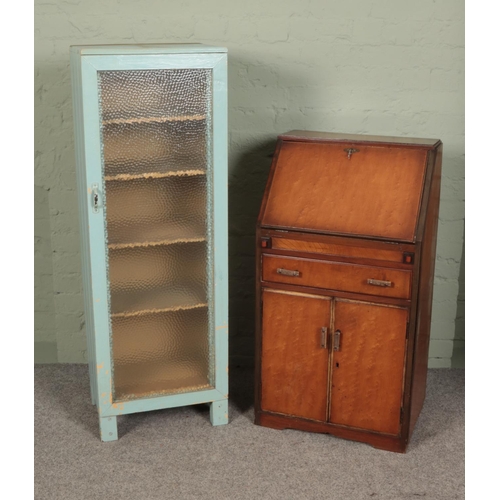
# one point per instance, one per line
(346, 244)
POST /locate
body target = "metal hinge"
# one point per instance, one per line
(407, 329)
(401, 415)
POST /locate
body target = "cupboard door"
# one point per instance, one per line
(368, 367)
(294, 367)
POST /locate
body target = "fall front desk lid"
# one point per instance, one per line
(347, 185)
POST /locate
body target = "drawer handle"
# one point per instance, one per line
(378, 282)
(287, 272)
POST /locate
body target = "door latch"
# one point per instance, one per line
(95, 198)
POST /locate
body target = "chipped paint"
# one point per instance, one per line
(99, 367)
(221, 327)
(118, 406)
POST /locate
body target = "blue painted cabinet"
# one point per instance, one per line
(151, 150)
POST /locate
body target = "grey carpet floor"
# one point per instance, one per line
(177, 454)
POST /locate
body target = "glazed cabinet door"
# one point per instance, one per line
(294, 362)
(369, 345)
(155, 129)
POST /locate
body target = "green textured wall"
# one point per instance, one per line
(393, 67)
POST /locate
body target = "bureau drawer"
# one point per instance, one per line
(337, 276)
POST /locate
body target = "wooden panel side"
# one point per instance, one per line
(265, 196)
(375, 192)
(294, 363)
(425, 293)
(368, 368)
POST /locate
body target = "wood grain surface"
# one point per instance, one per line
(297, 245)
(294, 366)
(316, 186)
(337, 276)
(367, 371)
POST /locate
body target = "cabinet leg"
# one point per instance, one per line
(109, 429)
(219, 412)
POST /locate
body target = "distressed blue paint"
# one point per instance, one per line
(219, 412)
(145, 49)
(160, 402)
(220, 225)
(83, 215)
(108, 428)
(154, 61)
(86, 62)
(98, 249)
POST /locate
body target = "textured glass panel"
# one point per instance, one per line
(155, 129)
(154, 121)
(164, 210)
(160, 353)
(156, 278)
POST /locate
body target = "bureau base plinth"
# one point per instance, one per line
(379, 441)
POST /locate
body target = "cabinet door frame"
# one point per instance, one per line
(90, 173)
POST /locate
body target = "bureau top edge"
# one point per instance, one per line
(166, 48)
(312, 136)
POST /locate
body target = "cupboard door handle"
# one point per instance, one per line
(378, 282)
(287, 272)
(336, 340)
(324, 337)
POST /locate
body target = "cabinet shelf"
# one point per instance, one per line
(161, 299)
(155, 175)
(161, 353)
(141, 380)
(136, 234)
(170, 309)
(153, 119)
(146, 212)
(157, 278)
(116, 246)
(138, 147)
